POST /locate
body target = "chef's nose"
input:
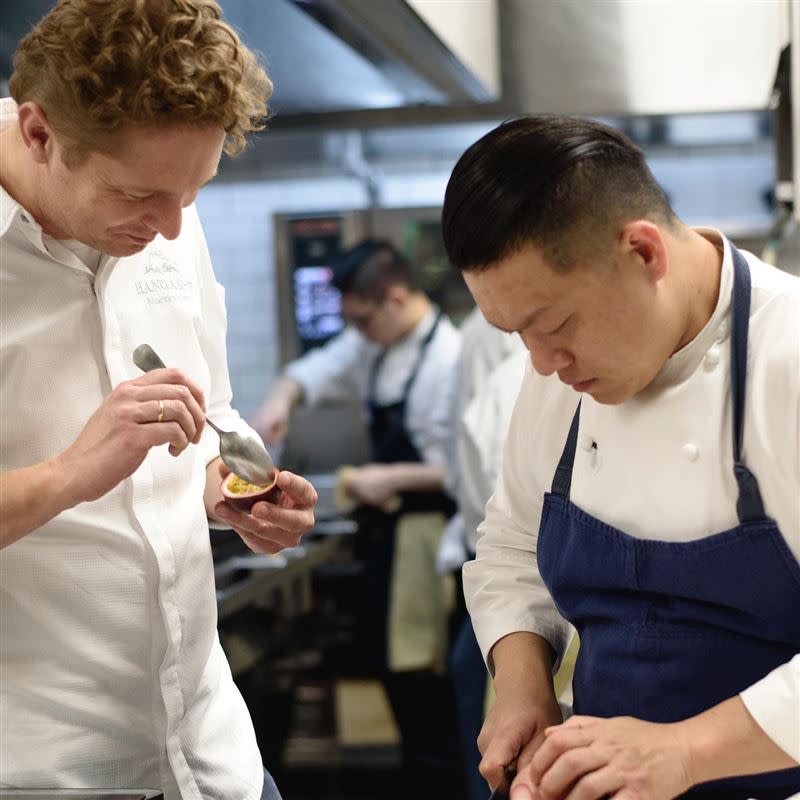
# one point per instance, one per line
(165, 218)
(547, 360)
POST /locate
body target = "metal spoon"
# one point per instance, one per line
(244, 457)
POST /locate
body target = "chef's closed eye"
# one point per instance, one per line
(559, 327)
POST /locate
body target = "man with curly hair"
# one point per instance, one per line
(112, 671)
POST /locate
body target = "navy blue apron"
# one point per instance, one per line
(670, 629)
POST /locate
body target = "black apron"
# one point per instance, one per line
(391, 444)
(423, 702)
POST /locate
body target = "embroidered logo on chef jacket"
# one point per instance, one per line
(160, 280)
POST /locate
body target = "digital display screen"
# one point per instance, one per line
(315, 243)
(317, 304)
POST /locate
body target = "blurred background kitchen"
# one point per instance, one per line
(374, 101)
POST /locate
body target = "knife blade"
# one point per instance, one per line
(503, 789)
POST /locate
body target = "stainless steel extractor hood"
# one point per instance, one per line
(359, 63)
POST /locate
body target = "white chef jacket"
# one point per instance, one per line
(342, 368)
(662, 469)
(483, 347)
(484, 428)
(112, 671)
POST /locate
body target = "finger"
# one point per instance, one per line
(523, 787)
(603, 782)
(259, 545)
(172, 376)
(178, 440)
(297, 489)
(160, 433)
(528, 752)
(555, 745)
(521, 792)
(499, 754)
(241, 521)
(175, 411)
(292, 520)
(177, 397)
(575, 721)
(569, 768)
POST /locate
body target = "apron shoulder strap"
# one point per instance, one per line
(423, 348)
(376, 365)
(749, 505)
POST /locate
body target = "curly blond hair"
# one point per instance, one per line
(95, 66)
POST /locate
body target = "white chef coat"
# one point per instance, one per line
(342, 368)
(112, 671)
(484, 427)
(483, 347)
(662, 469)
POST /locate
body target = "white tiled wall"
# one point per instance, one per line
(238, 221)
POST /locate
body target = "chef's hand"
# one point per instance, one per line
(588, 758)
(371, 484)
(267, 527)
(119, 434)
(514, 728)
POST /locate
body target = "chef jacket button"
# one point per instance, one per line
(712, 357)
(690, 451)
(587, 443)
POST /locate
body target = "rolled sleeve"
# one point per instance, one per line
(774, 703)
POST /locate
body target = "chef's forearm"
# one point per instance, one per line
(523, 659)
(411, 477)
(288, 391)
(726, 741)
(30, 497)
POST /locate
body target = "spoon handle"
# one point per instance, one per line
(214, 427)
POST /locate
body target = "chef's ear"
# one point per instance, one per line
(642, 241)
(35, 131)
(396, 295)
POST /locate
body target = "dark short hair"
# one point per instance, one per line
(552, 181)
(370, 269)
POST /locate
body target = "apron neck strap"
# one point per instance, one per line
(414, 370)
(749, 505)
(562, 480)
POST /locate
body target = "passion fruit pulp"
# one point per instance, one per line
(243, 495)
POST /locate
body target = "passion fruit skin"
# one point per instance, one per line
(245, 502)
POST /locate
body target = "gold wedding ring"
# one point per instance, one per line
(160, 417)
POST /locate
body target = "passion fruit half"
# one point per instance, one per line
(243, 495)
